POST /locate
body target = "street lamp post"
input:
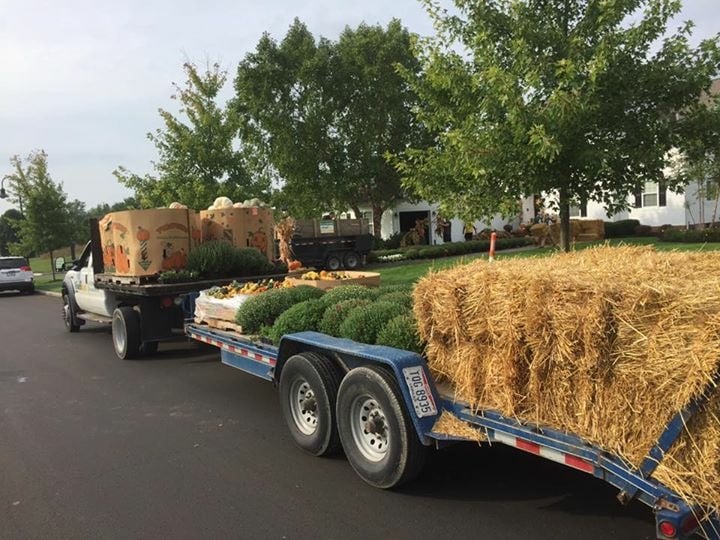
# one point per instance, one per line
(4, 194)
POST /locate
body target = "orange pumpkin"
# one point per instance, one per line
(143, 235)
(294, 265)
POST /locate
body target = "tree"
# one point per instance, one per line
(197, 157)
(580, 99)
(129, 203)
(46, 226)
(8, 230)
(321, 116)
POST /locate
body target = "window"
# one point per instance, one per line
(652, 194)
(578, 211)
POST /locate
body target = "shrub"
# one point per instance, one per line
(363, 323)
(393, 242)
(402, 298)
(301, 293)
(348, 292)
(220, 260)
(262, 309)
(412, 253)
(691, 235)
(335, 314)
(643, 230)
(298, 318)
(620, 229)
(401, 332)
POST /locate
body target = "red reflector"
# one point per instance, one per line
(26, 269)
(167, 301)
(667, 529)
(528, 446)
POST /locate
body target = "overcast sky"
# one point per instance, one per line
(83, 79)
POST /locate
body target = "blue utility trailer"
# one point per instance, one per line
(380, 404)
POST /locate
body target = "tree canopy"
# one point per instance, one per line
(322, 115)
(580, 99)
(46, 225)
(199, 155)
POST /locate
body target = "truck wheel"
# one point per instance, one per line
(126, 332)
(333, 262)
(351, 260)
(69, 315)
(308, 391)
(376, 431)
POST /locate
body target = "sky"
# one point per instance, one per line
(83, 79)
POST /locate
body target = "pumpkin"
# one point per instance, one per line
(143, 235)
(294, 265)
(222, 202)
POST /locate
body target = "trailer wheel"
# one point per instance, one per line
(309, 384)
(69, 315)
(126, 332)
(333, 262)
(351, 260)
(376, 431)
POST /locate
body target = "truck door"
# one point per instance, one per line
(89, 298)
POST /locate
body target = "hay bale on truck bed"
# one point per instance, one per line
(606, 343)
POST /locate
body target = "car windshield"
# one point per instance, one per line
(13, 262)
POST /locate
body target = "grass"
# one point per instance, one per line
(45, 282)
(411, 272)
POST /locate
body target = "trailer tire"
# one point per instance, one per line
(309, 385)
(375, 428)
(333, 262)
(352, 260)
(126, 332)
(69, 314)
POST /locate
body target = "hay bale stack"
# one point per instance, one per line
(606, 343)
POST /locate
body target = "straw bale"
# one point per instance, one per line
(449, 424)
(606, 343)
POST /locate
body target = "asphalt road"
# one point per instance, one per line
(181, 446)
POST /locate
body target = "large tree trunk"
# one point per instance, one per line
(564, 204)
(377, 212)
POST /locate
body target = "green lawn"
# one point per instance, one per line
(413, 270)
(45, 282)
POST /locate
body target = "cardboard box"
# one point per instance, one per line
(367, 279)
(242, 227)
(145, 242)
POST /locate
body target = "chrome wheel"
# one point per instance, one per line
(303, 406)
(369, 428)
(119, 334)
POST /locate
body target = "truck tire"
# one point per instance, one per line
(69, 314)
(309, 385)
(351, 260)
(126, 332)
(148, 348)
(333, 262)
(375, 428)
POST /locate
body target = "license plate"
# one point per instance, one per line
(420, 391)
(11, 273)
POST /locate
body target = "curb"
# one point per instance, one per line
(48, 293)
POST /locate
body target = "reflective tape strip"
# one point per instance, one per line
(548, 453)
(257, 357)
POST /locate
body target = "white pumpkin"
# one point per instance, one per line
(177, 206)
(222, 202)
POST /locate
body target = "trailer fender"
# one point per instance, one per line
(409, 369)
